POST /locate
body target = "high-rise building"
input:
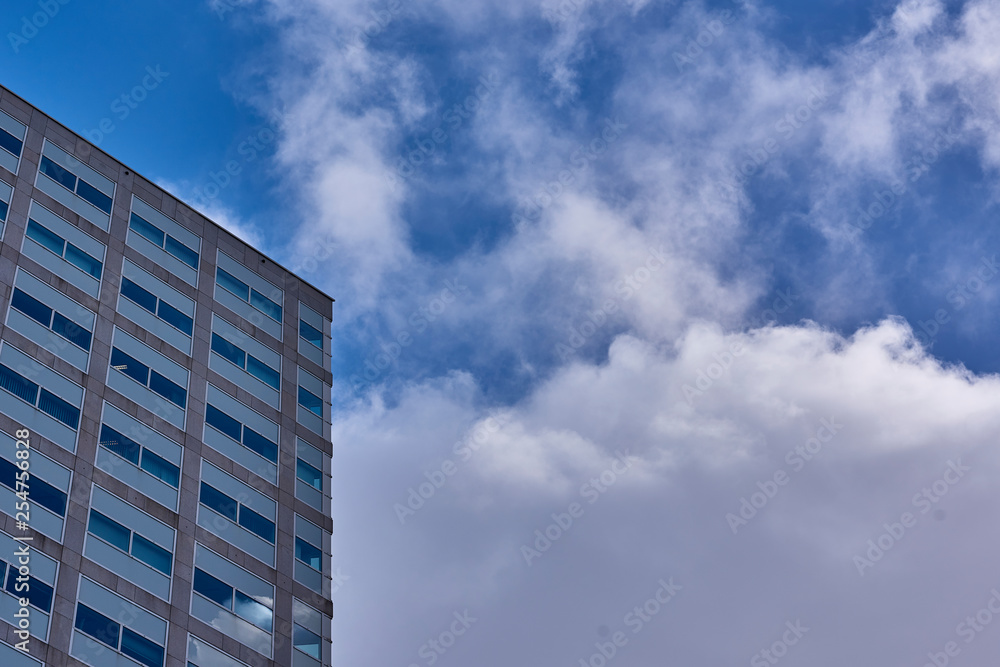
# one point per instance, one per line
(167, 389)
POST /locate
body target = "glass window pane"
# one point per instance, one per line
(98, 626)
(311, 334)
(257, 524)
(8, 475)
(220, 420)
(31, 307)
(215, 590)
(151, 554)
(229, 282)
(10, 143)
(129, 366)
(18, 385)
(308, 554)
(159, 467)
(171, 315)
(143, 228)
(3, 210)
(253, 611)
(46, 495)
(54, 406)
(265, 305)
(309, 474)
(71, 331)
(38, 592)
(306, 641)
(83, 261)
(110, 531)
(137, 294)
(311, 401)
(218, 501)
(169, 390)
(258, 443)
(228, 351)
(138, 647)
(119, 444)
(45, 238)
(263, 372)
(182, 252)
(91, 194)
(58, 174)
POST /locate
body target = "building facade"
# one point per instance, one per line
(167, 389)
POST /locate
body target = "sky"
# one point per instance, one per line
(664, 329)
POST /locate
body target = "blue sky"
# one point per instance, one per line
(532, 219)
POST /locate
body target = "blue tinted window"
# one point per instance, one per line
(119, 444)
(309, 474)
(306, 641)
(218, 501)
(83, 261)
(31, 307)
(228, 351)
(260, 444)
(10, 143)
(151, 554)
(257, 524)
(8, 477)
(263, 372)
(215, 590)
(38, 592)
(110, 531)
(311, 401)
(18, 385)
(139, 295)
(308, 554)
(47, 496)
(161, 468)
(169, 390)
(253, 611)
(182, 252)
(98, 626)
(91, 194)
(129, 366)
(311, 334)
(58, 174)
(220, 420)
(265, 305)
(139, 648)
(56, 407)
(71, 331)
(45, 238)
(3, 210)
(229, 282)
(147, 230)
(171, 315)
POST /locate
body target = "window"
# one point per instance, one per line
(38, 592)
(10, 143)
(232, 599)
(156, 306)
(38, 397)
(309, 474)
(159, 238)
(62, 248)
(311, 334)
(241, 433)
(130, 542)
(308, 554)
(119, 638)
(51, 319)
(71, 182)
(39, 491)
(306, 641)
(311, 402)
(147, 377)
(3, 210)
(237, 512)
(245, 361)
(240, 289)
